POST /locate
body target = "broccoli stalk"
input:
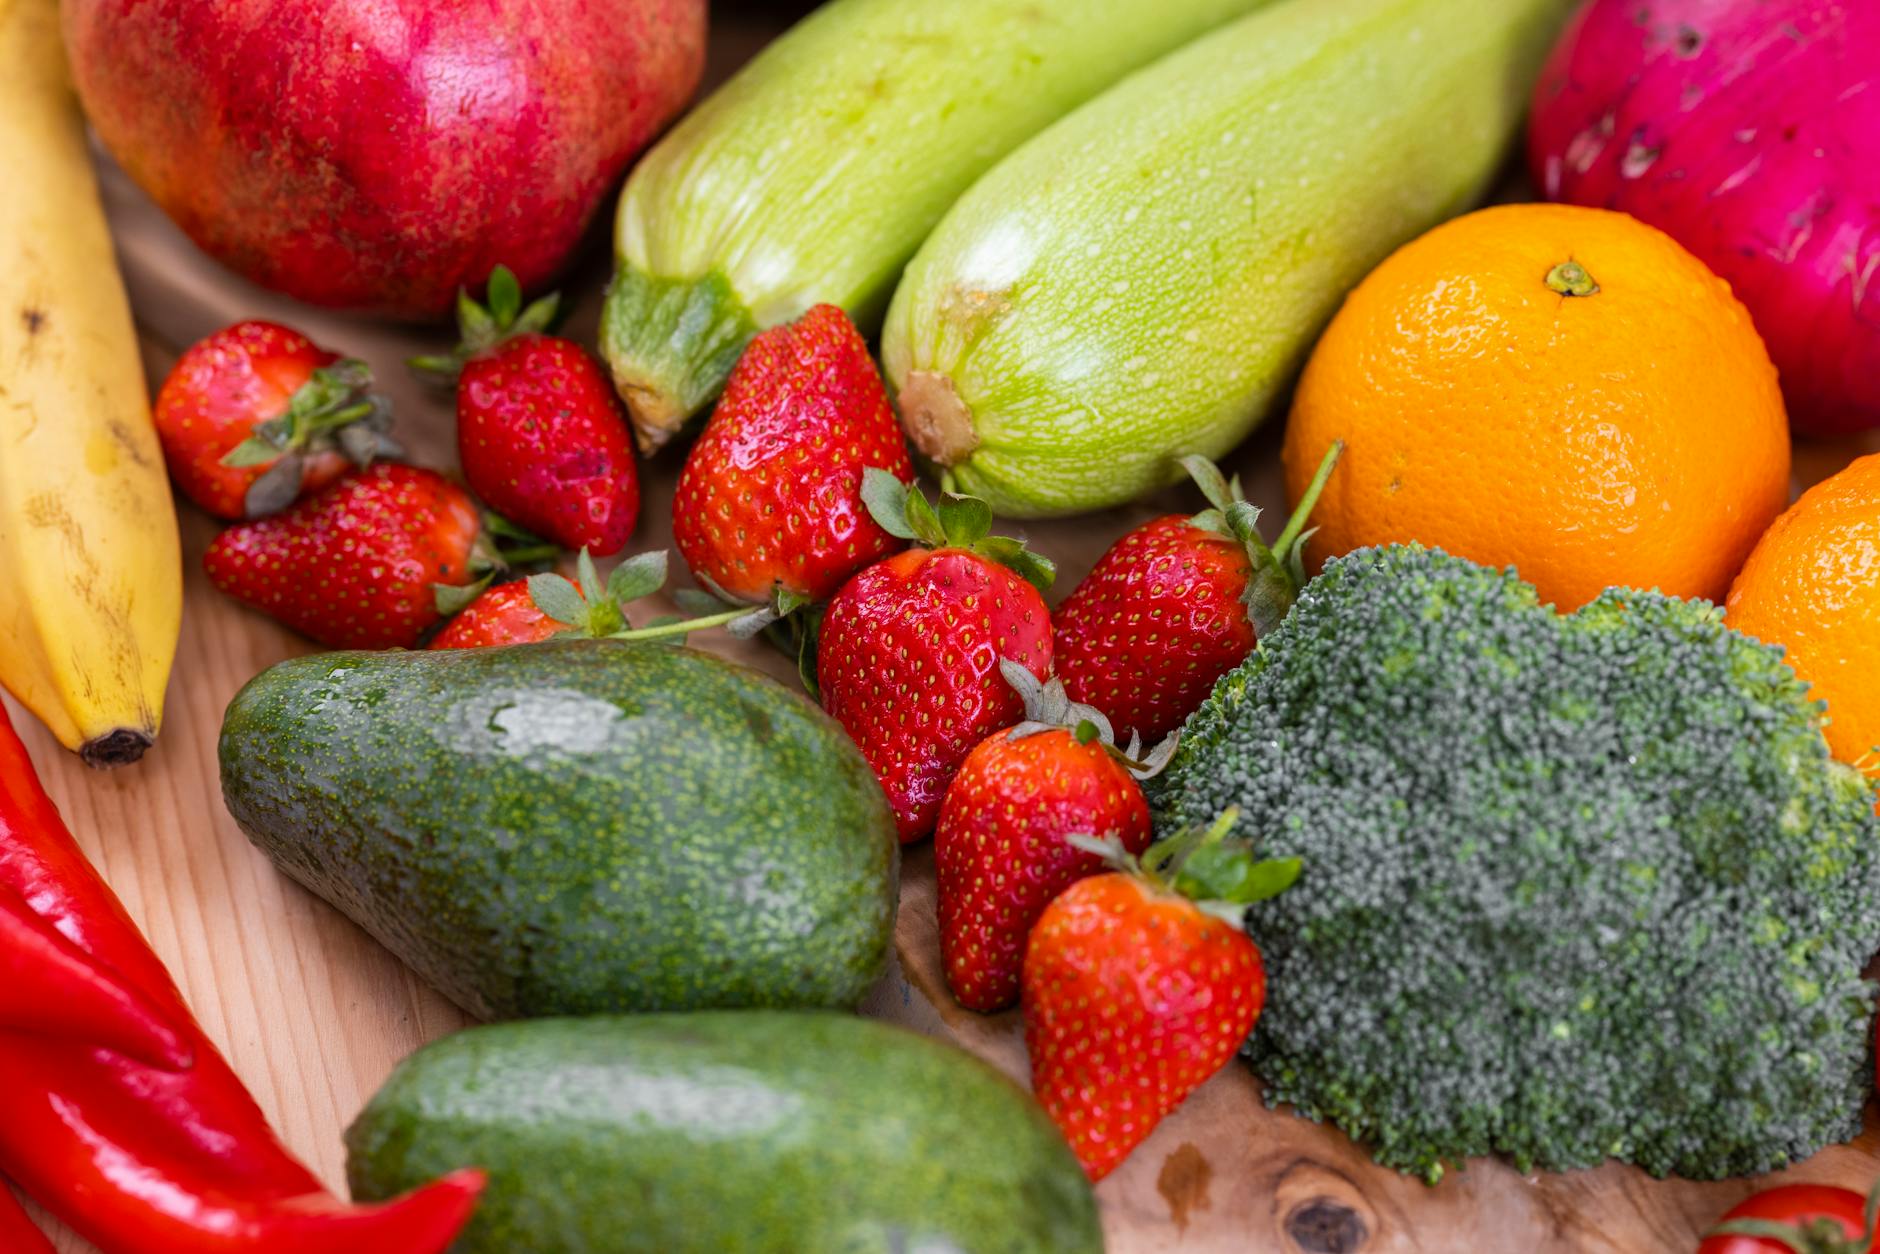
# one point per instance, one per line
(1576, 887)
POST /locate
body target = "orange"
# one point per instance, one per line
(1813, 586)
(1564, 390)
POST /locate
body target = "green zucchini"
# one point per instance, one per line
(1142, 280)
(738, 1132)
(812, 176)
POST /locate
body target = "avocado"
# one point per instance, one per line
(575, 826)
(762, 1132)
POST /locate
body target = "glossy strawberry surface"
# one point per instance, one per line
(504, 614)
(908, 662)
(1001, 855)
(220, 389)
(1133, 999)
(544, 442)
(771, 491)
(353, 566)
(1156, 622)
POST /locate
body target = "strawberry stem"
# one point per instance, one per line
(530, 554)
(681, 628)
(1297, 523)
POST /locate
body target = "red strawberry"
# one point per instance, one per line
(551, 605)
(1135, 994)
(909, 651)
(1000, 848)
(770, 497)
(540, 433)
(504, 614)
(1176, 604)
(356, 566)
(257, 415)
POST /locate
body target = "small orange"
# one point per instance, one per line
(1813, 586)
(1560, 389)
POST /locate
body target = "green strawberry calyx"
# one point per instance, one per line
(1220, 874)
(484, 326)
(1278, 571)
(591, 607)
(1049, 708)
(334, 409)
(499, 547)
(958, 522)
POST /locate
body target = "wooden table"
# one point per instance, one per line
(313, 1014)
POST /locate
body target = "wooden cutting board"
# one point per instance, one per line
(313, 1014)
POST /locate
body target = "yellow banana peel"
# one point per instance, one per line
(90, 568)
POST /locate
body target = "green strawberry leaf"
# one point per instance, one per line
(589, 578)
(1243, 522)
(809, 636)
(1035, 569)
(363, 445)
(451, 599)
(503, 294)
(886, 499)
(921, 518)
(1270, 594)
(788, 601)
(1207, 476)
(745, 626)
(256, 450)
(1227, 872)
(539, 317)
(964, 520)
(475, 324)
(275, 489)
(1212, 520)
(1109, 847)
(503, 529)
(639, 576)
(482, 326)
(556, 597)
(1278, 573)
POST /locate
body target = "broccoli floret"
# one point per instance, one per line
(1576, 886)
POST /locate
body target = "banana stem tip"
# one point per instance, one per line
(115, 748)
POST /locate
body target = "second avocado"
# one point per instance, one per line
(575, 826)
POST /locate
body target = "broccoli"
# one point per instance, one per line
(1576, 886)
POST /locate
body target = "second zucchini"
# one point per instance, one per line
(1143, 279)
(813, 175)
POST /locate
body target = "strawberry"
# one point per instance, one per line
(550, 605)
(540, 432)
(769, 504)
(504, 614)
(1177, 603)
(257, 415)
(1135, 993)
(363, 563)
(1000, 848)
(909, 650)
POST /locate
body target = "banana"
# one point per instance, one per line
(91, 589)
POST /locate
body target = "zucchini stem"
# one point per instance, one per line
(938, 422)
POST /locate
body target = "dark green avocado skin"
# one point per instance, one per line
(574, 827)
(760, 1132)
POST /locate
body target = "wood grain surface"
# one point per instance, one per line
(313, 1014)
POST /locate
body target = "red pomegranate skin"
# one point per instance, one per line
(376, 155)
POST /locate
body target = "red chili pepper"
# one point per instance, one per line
(17, 1234)
(51, 987)
(142, 1158)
